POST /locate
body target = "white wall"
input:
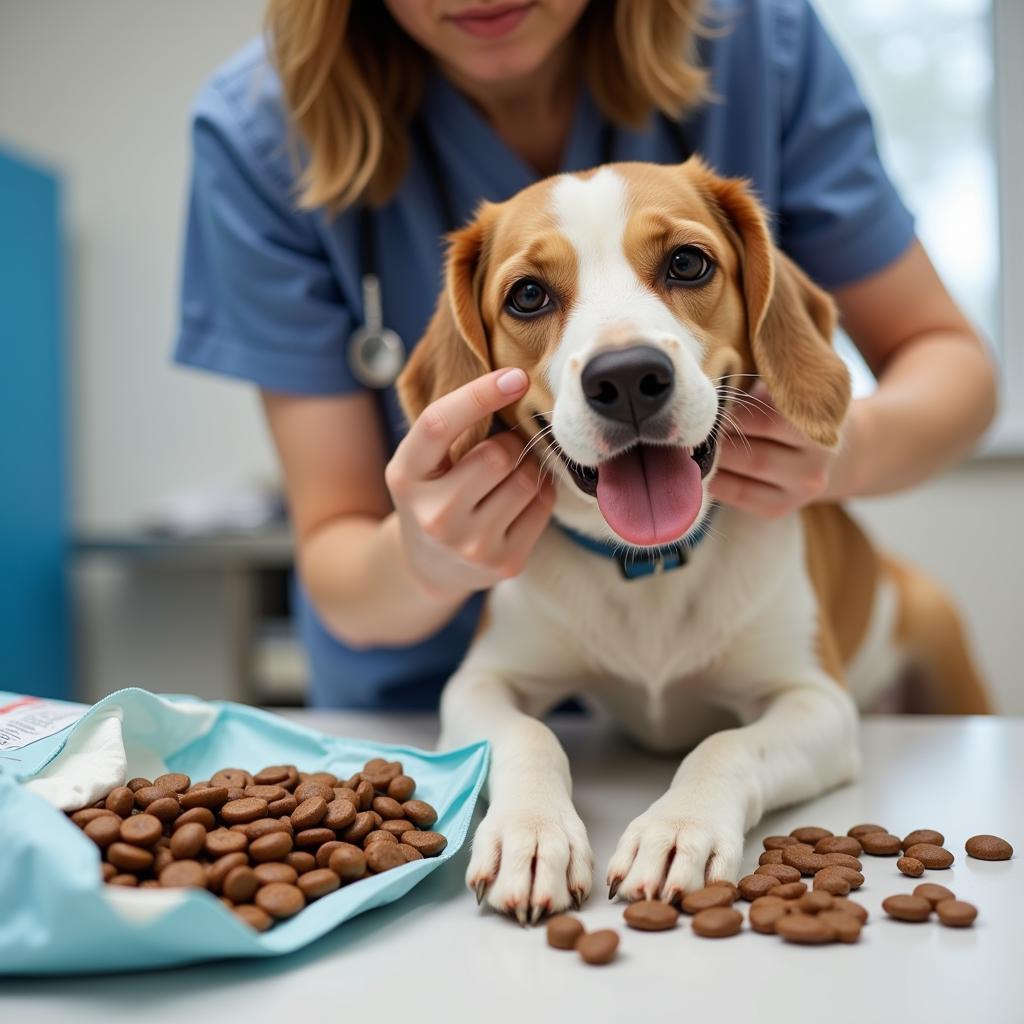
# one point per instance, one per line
(100, 90)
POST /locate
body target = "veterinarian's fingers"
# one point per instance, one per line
(482, 469)
(749, 495)
(770, 462)
(440, 425)
(522, 534)
(499, 509)
(760, 418)
(686, 872)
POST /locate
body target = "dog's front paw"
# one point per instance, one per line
(529, 862)
(674, 848)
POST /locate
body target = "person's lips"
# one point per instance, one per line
(491, 21)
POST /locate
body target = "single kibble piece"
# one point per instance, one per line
(430, 844)
(409, 853)
(881, 844)
(239, 812)
(318, 882)
(388, 808)
(814, 902)
(598, 947)
(268, 793)
(104, 830)
(274, 775)
(240, 884)
(313, 838)
(850, 875)
(302, 861)
(86, 814)
(923, 835)
(783, 872)
(166, 808)
(379, 835)
(362, 826)
(211, 797)
(141, 830)
(910, 866)
(222, 840)
(138, 783)
(986, 847)
(841, 860)
(778, 842)
(956, 913)
(723, 883)
(264, 826)
(838, 844)
(309, 813)
(810, 834)
(419, 812)
(563, 931)
(770, 857)
(255, 918)
(272, 846)
(805, 929)
(907, 908)
(805, 860)
(130, 881)
(651, 916)
(222, 867)
(348, 862)
(278, 808)
(717, 922)
(196, 816)
(340, 814)
(752, 886)
(833, 884)
(279, 899)
(935, 858)
(396, 826)
(120, 800)
(232, 777)
(382, 857)
(308, 790)
(187, 841)
(709, 896)
(850, 907)
(173, 782)
(789, 890)
(183, 874)
(862, 830)
(276, 871)
(401, 788)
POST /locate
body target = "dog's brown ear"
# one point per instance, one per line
(790, 320)
(454, 349)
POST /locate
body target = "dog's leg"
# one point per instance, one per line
(531, 854)
(804, 743)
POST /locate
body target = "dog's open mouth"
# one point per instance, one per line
(649, 494)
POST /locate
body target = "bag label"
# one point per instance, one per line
(28, 719)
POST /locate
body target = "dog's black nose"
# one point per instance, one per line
(628, 384)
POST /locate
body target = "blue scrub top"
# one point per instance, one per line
(271, 293)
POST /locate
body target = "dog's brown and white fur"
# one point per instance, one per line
(757, 653)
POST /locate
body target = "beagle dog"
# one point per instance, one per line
(643, 301)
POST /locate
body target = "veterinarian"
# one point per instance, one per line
(328, 163)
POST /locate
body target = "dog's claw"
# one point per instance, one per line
(577, 898)
(521, 915)
(536, 914)
(614, 888)
(481, 891)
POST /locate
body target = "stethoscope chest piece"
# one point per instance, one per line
(376, 354)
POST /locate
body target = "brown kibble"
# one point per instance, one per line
(264, 826)
(279, 899)
(401, 788)
(309, 813)
(86, 814)
(783, 872)
(240, 884)
(810, 834)
(120, 800)
(935, 858)
(339, 815)
(382, 857)
(861, 830)
(419, 812)
(850, 907)
(718, 922)
(196, 816)
(910, 866)
(302, 861)
(211, 797)
(752, 886)
(364, 790)
(789, 890)
(268, 793)
(651, 915)
(318, 882)
(279, 808)
(956, 913)
(923, 835)
(104, 830)
(188, 841)
(222, 840)
(709, 896)
(222, 867)
(778, 842)
(842, 860)
(834, 885)
(764, 916)
(838, 844)
(361, 827)
(387, 808)
(598, 947)
(807, 863)
(253, 916)
(145, 796)
(141, 830)
(308, 790)
(240, 812)
(409, 852)
(166, 809)
(430, 844)
(275, 871)
(173, 782)
(397, 827)
(129, 881)
(313, 838)
(881, 844)
(233, 778)
(852, 877)
(183, 874)
(907, 908)
(846, 926)
(379, 835)
(986, 847)
(770, 857)
(563, 930)
(138, 783)
(815, 902)
(128, 857)
(348, 862)
(805, 929)
(272, 846)
(933, 893)
(274, 775)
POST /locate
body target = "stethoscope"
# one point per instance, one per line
(376, 353)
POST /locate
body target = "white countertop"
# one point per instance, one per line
(435, 957)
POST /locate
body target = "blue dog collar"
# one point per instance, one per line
(650, 561)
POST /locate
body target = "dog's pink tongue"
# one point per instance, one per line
(650, 494)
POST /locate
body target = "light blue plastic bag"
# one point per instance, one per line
(57, 915)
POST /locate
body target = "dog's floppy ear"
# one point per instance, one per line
(790, 320)
(454, 349)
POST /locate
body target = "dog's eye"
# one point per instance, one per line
(527, 298)
(689, 265)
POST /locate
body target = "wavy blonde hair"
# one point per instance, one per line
(352, 80)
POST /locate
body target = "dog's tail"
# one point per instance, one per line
(929, 629)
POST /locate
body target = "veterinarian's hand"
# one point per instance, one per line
(465, 527)
(770, 469)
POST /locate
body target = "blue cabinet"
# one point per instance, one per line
(34, 620)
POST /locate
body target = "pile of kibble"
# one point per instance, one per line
(266, 843)
(780, 901)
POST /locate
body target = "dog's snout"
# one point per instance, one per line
(628, 384)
